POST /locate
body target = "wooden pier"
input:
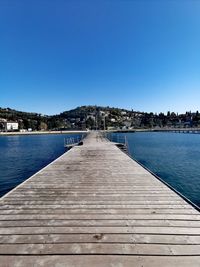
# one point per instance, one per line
(95, 206)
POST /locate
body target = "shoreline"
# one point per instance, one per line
(108, 131)
(41, 132)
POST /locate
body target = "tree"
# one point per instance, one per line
(90, 123)
(43, 126)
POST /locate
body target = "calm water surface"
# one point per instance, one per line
(175, 157)
(21, 156)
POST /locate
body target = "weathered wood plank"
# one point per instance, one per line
(165, 230)
(98, 223)
(100, 261)
(98, 249)
(98, 211)
(177, 217)
(100, 238)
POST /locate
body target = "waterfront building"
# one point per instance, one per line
(11, 126)
(8, 126)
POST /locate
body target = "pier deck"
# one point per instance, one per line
(95, 206)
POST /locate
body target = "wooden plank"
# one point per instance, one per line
(165, 230)
(98, 197)
(98, 223)
(177, 217)
(99, 261)
(100, 238)
(80, 194)
(98, 249)
(97, 206)
(98, 211)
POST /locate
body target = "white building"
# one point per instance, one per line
(11, 126)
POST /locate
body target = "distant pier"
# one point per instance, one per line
(173, 130)
(180, 130)
(95, 206)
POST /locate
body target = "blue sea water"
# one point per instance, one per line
(23, 155)
(174, 157)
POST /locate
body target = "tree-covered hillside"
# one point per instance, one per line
(96, 117)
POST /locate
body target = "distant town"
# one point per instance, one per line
(95, 118)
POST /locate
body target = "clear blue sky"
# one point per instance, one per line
(56, 55)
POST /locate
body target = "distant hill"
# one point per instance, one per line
(97, 117)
